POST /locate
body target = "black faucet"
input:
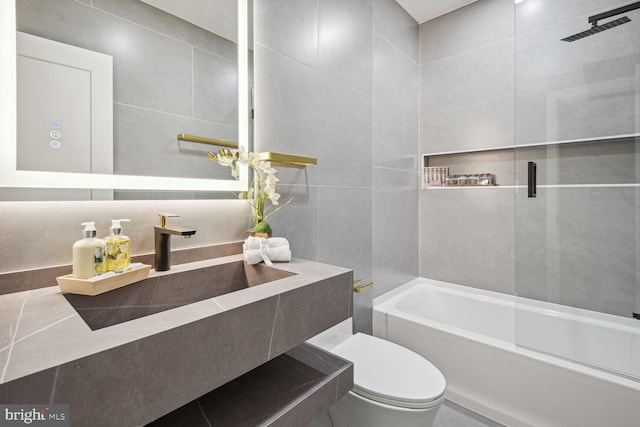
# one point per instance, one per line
(163, 241)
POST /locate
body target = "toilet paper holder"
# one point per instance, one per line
(359, 288)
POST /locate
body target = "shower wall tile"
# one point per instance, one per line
(471, 27)
(345, 50)
(396, 88)
(395, 236)
(397, 27)
(466, 101)
(290, 28)
(345, 232)
(533, 15)
(466, 237)
(574, 247)
(301, 111)
(608, 162)
(395, 108)
(565, 89)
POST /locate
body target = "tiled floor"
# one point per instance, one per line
(449, 415)
(452, 415)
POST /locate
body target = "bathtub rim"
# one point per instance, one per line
(384, 304)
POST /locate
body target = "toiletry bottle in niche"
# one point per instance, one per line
(89, 254)
(118, 247)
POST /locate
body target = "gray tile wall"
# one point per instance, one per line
(566, 90)
(41, 234)
(466, 102)
(338, 80)
(169, 77)
(578, 246)
(396, 88)
(573, 246)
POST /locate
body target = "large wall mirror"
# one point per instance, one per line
(96, 92)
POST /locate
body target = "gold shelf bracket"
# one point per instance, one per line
(287, 159)
(205, 140)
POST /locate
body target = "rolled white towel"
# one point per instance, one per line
(252, 256)
(275, 242)
(253, 242)
(279, 253)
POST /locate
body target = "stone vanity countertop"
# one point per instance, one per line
(39, 329)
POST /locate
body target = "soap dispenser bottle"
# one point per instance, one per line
(118, 247)
(89, 254)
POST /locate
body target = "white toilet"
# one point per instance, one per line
(393, 386)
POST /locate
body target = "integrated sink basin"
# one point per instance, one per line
(164, 291)
(183, 351)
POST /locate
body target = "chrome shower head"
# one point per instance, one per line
(597, 29)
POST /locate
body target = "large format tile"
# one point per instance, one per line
(469, 240)
(146, 144)
(165, 23)
(605, 162)
(564, 90)
(345, 228)
(467, 100)
(453, 415)
(345, 51)
(290, 28)
(149, 70)
(395, 108)
(533, 15)
(567, 254)
(395, 25)
(298, 222)
(215, 89)
(395, 228)
(304, 112)
(474, 26)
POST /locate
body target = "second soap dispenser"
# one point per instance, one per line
(118, 247)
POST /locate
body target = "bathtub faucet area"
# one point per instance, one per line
(162, 235)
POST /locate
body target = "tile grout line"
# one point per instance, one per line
(323, 75)
(168, 113)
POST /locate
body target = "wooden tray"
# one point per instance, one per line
(97, 286)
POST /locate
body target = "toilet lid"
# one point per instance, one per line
(388, 373)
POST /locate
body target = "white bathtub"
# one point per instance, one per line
(469, 335)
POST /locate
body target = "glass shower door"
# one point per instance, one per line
(577, 195)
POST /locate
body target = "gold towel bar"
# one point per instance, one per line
(358, 288)
(204, 140)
